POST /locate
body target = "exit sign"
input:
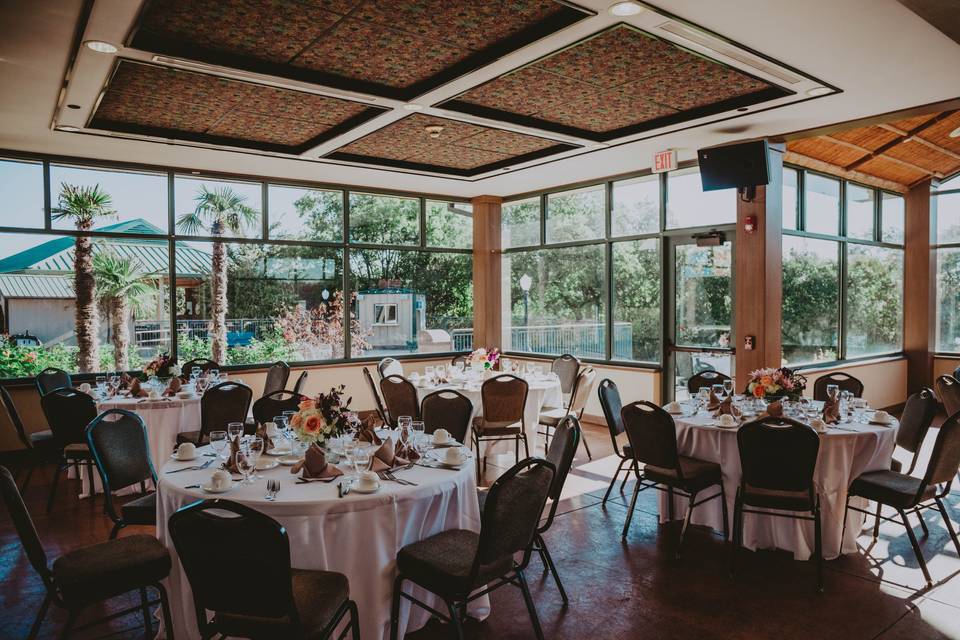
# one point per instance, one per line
(665, 161)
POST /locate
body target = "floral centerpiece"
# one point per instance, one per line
(162, 365)
(773, 384)
(324, 417)
(488, 359)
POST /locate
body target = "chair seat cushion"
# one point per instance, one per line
(76, 451)
(142, 510)
(697, 474)
(192, 436)
(111, 568)
(487, 428)
(442, 562)
(896, 465)
(317, 595)
(552, 417)
(39, 438)
(891, 488)
(776, 499)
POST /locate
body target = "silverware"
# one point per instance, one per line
(388, 475)
(273, 487)
(200, 467)
(346, 488)
(192, 486)
(309, 480)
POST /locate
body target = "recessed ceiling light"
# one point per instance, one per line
(743, 109)
(819, 91)
(196, 173)
(433, 131)
(73, 106)
(68, 128)
(412, 106)
(623, 9)
(955, 133)
(100, 46)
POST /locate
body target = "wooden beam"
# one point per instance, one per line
(487, 305)
(919, 273)
(935, 147)
(879, 151)
(792, 157)
(856, 147)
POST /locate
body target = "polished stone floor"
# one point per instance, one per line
(631, 589)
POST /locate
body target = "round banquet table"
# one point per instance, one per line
(358, 535)
(846, 451)
(543, 391)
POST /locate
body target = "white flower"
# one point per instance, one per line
(175, 370)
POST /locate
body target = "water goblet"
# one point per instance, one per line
(214, 376)
(833, 391)
(101, 385)
(703, 397)
(255, 450)
(418, 429)
(429, 372)
(403, 423)
(728, 387)
(361, 460)
(218, 442)
(235, 430)
(245, 464)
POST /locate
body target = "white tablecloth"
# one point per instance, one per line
(844, 454)
(542, 392)
(164, 420)
(358, 535)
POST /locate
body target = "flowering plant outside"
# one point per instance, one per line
(776, 383)
(488, 359)
(324, 417)
(161, 365)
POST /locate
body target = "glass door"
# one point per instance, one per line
(700, 310)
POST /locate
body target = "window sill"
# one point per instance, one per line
(850, 363)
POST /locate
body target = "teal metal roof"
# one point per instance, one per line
(17, 285)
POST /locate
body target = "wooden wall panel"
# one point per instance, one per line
(919, 294)
(487, 316)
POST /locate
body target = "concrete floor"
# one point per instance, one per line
(617, 590)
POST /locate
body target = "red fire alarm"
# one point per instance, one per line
(750, 224)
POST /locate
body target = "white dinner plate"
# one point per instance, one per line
(266, 465)
(289, 461)
(278, 452)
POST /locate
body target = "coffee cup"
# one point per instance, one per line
(187, 451)
(727, 420)
(368, 481)
(154, 394)
(85, 387)
(220, 480)
(881, 416)
(453, 456)
(819, 425)
(441, 436)
(673, 407)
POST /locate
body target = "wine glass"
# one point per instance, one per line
(214, 376)
(403, 423)
(430, 373)
(114, 384)
(361, 460)
(218, 442)
(419, 436)
(201, 383)
(833, 391)
(717, 391)
(254, 451)
(728, 387)
(441, 371)
(234, 430)
(101, 385)
(245, 464)
(703, 397)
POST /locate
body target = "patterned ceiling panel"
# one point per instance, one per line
(396, 49)
(461, 148)
(158, 101)
(618, 82)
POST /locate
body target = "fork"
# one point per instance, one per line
(199, 467)
(388, 475)
(273, 487)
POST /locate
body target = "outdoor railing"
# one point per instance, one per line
(585, 340)
(152, 334)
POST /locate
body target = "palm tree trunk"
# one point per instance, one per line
(121, 333)
(87, 318)
(218, 287)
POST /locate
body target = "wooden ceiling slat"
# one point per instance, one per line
(800, 160)
(906, 161)
(888, 169)
(911, 131)
(829, 151)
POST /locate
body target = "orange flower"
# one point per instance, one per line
(766, 381)
(295, 420)
(758, 391)
(307, 404)
(313, 424)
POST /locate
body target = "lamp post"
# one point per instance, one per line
(525, 282)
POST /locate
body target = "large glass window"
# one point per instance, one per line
(449, 224)
(874, 291)
(688, 205)
(948, 217)
(790, 198)
(948, 299)
(892, 217)
(137, 202)
(636, 206)
(576, 215)
(520, 223)
(297, 213)
(377, 219)
(205, 207)
(636, 300)
(811, 297)
(860, 211)
(821, 204)
(21, 188)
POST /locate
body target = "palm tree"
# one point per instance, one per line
(217, 211)
(124, 287)
(84, 205)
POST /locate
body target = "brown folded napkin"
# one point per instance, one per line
(368, 434)
(173, 388)
(726, 408)
(136, 391)
(267, 440)
(775, 409)
(231, 463)
(315, 465)
(408, 452)
(831, 411)
(125, 381)
(713, 402)
(386, 457)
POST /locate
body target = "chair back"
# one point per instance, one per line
(68, 412)
(277, 376)
(389, 367)
(447, 409)
(205, 365)
(652, 435)
(512, 511)
(400, 398)
(222, 404)
(52, 378)
(24, 525)
(301, 381)
(705, 379)
(779, 454)
(372, 386)
(560, 453)
(915, 420)
(845, 381)
(246, 572)
(948, 388)
(611, 404)
(460, 357)
(566, 367)
(945, 457)
(15, 420)
(118, 440)
(503, 398)
(273, 404)
(581, 390)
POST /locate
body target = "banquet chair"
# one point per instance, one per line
(85, 577)
(705, 379)
(205, 365)
(389, 367)
(38, 444)
(400, 398)
(611, 405)
(907, 493)
(246, 579)
(273, 404)
(52, 378)
(377, 400)
(777, 458)
(550, 418)
(460, 357)
(915, 421)
(301, 381)
(447, 409)
(220, 405)
(459, 565)
(948, 388)
(68, 412)
(277, 376)
(653, 440)
(845, 381)
(503, 399)
(567, 367)
(120, 447)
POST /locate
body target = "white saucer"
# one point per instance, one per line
(279, 452)
(720, 426)
(434, 455)
(265, 465)
(209, 489)
(445, 445)
(354, 487)
(174, 456)
(289, 461)
(889, 423)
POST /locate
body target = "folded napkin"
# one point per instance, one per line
(136, 391)
(173, 388)
(231, 463)
(315, 465)
(368, 434)
(726, 408)
(713, 402)
(408, 452)
(268, 443)
(126, 380)
(386, 457)
(775, 409)
(831, 411)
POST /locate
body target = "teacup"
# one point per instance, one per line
(85, 387)
(154, 394)
(453, 456)
(819, 425)
(368, 481)
(881, 416)
(673, 407)
(187, 451)
(220, 480)
(441, 436)
(727, 420)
